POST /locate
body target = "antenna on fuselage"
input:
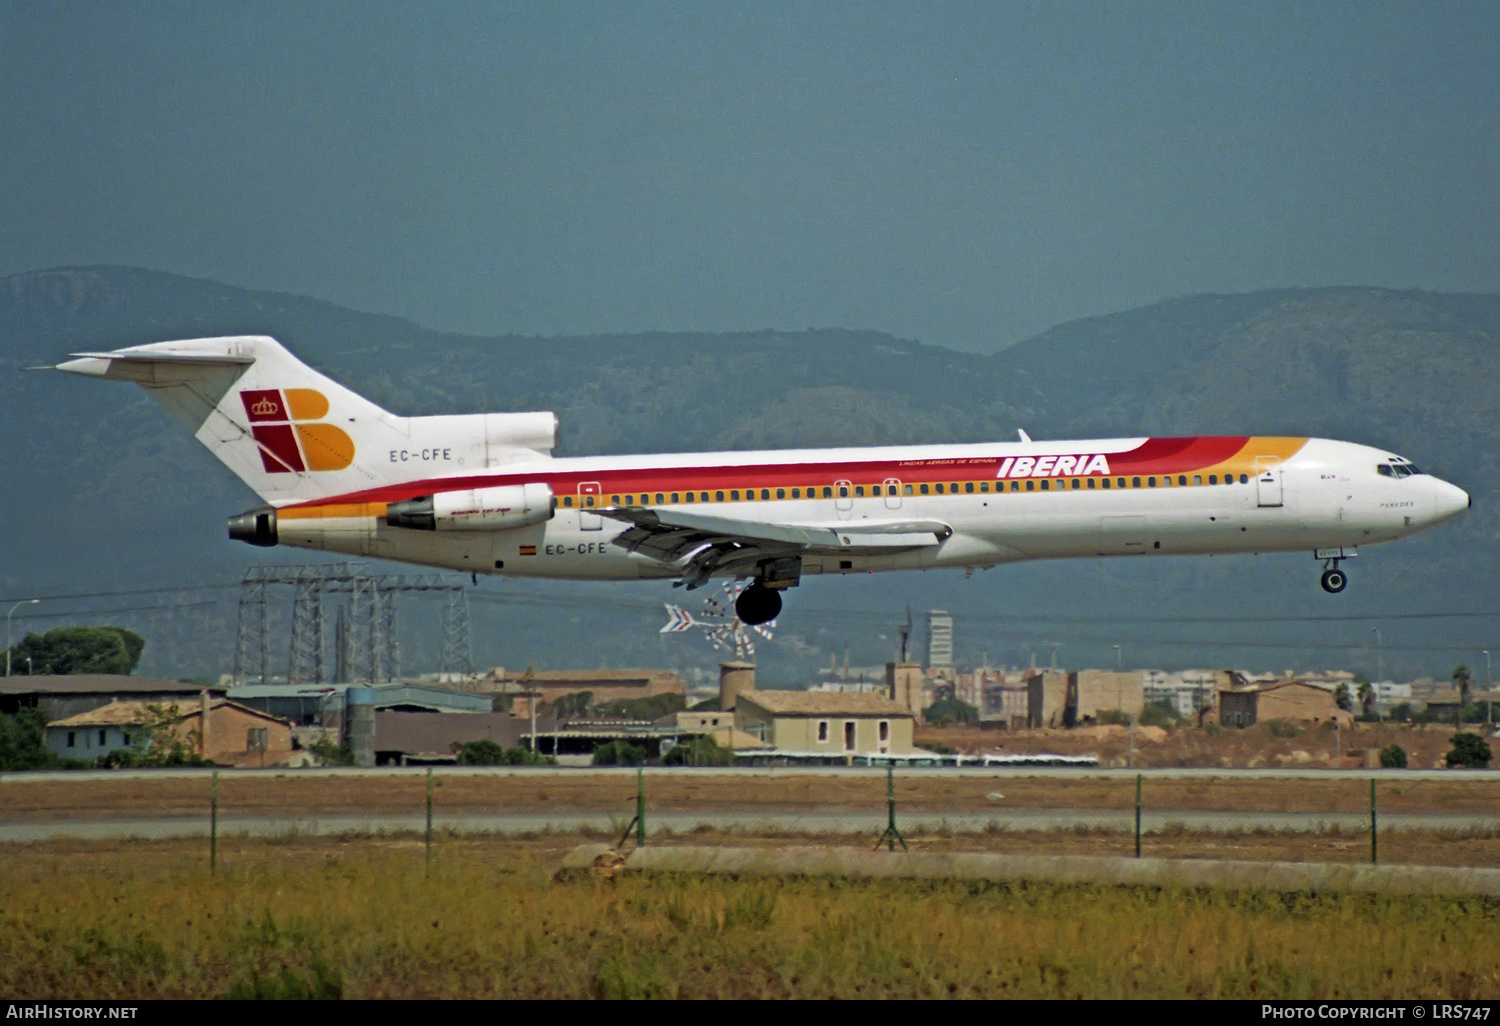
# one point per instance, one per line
(1024, 436)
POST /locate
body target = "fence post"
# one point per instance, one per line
(429, 820)
(213, 825)
(1138, 777)
(640, 806)
(1374, 836)
(891, 835)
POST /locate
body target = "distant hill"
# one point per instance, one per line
(106, 494)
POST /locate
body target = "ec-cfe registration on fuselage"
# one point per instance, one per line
(481, 493)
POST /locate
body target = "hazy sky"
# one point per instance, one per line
(964, 174)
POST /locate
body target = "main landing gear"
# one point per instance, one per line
(757, 604)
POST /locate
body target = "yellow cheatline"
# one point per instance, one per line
(333, 510)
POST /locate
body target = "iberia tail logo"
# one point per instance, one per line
(287, 425)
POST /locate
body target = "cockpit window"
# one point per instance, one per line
(1397, 468)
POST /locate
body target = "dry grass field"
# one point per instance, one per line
(372, 918)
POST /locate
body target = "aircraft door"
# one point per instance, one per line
(589, 497)
(892, 493)
(843, 499)
(1268, 480)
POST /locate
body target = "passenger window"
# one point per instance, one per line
(718, 496)
(1105, 482)
(859, 491)
(658, 498)
(1167, 480)
(1015, 486)
(875, 490)
(734, 495)
(1213, 478)
(1075, 484)
(969, 487)
(675, 497)
(1046, 485)
(614, 500)
(1197, 479)
(925, 489)
(796, 493)
(781, 493)
(703, 496)
(1121, 482)
(906, 489)
(765, 493)
(689, 496)
(843, 491)
(939, 487)
(1031, 486)
(568, 501)
(588, 500)
(984, 486)
(827, 492)
(1091, 482)
(1150, 482)
(1182, 480)
(1244, 479)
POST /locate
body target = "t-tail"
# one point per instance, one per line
(296, 436)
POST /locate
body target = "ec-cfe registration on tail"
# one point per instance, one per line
(482, 493)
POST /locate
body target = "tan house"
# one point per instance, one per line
(826, 723)
(712, 723)
(604, 685)
(215, 728)
(1285, 700)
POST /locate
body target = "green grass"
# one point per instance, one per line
(367, 923)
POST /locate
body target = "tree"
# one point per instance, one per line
(1461, 680)
(483, 752)
(1469, 750)
(1393, 757)
(1341, 698)
(1367, 698)
(947, 711)
(23, 741)
(73, 650)
(619, 753)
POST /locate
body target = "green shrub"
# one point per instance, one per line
(701, 751)
(949, 711)
(619, 753)
(483, 752)
(1281, 728)
(1393, 757)
(1469, 750)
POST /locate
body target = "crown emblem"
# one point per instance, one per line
(264, 408)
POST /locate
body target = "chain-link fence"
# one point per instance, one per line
(1393, 817)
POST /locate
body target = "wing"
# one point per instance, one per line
(704, 545)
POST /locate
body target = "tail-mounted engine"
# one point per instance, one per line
(475, 509)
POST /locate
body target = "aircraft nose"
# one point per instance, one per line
(1448, 500)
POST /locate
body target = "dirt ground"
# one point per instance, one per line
(1212, 747)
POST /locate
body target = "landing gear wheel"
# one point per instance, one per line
(1334, 580)
(757, 605)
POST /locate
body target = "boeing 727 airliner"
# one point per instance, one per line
(482, 493)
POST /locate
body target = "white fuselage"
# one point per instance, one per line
(1324, 495)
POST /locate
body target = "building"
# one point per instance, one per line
(1098, 691)
(1047, 694)
(807, 724)
(712, 723)
(68, 695)
(405, 737)
(1284, 700)
(939, 640)
(604, 685)
(217, 729)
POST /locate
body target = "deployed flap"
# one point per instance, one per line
(714, 543)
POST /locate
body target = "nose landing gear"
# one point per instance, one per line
(1334, 580)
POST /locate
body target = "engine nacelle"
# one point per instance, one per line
(475, 509)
